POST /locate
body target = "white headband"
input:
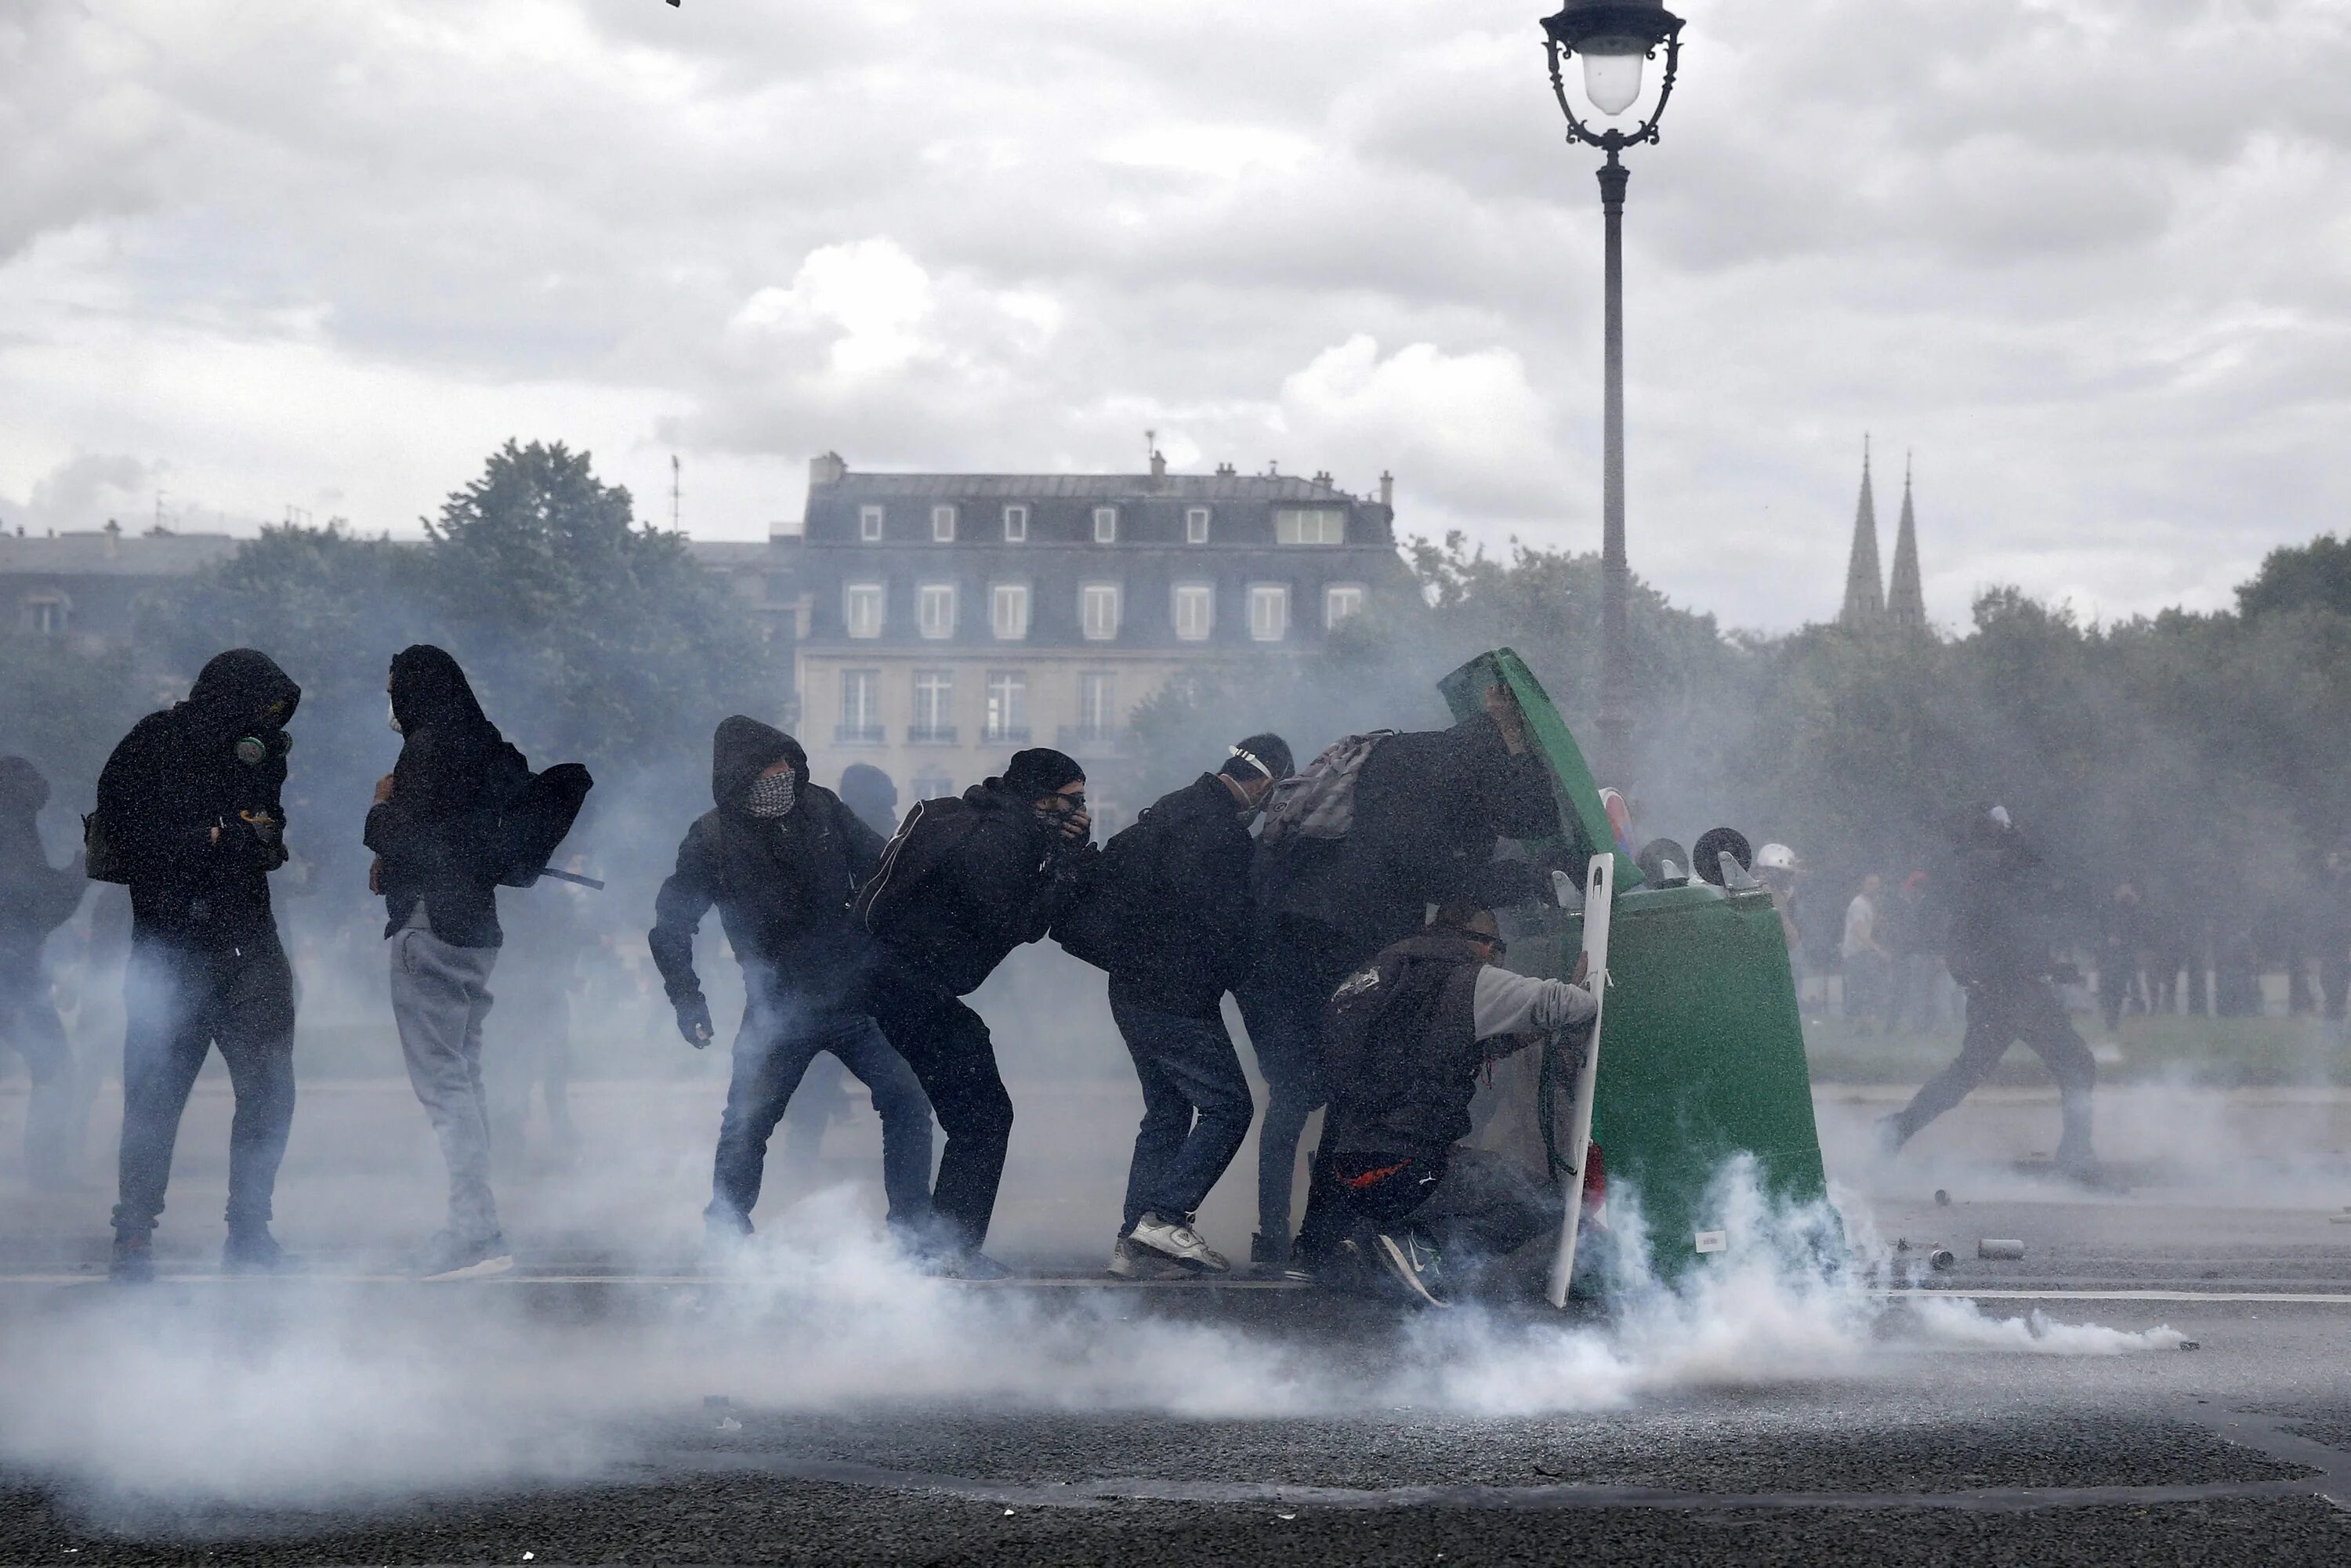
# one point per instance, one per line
(1263, 771)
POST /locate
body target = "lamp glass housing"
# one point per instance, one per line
(1612, 73)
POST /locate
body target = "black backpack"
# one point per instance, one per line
(533, 825)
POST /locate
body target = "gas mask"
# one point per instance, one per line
(253, 750)
(772, 795)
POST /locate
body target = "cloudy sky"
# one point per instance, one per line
(2090, 258)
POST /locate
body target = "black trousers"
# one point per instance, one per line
(1475, 1204)
(1998, 1016)
(182, 1000)
(29, 1020)
(954, 1060)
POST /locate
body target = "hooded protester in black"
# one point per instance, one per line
(436, 833)
(36, 898)
(780, 858)
(189, 807)
(781, 883)
(189, 802)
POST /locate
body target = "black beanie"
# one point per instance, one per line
(1260, 756)
(1040, 771)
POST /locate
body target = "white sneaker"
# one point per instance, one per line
(1175, 1240)
(1121, 1258)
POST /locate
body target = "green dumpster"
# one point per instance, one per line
(1702, 1050)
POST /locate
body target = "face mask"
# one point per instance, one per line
(392, 717)
(772, 795)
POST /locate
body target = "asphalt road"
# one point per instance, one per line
(818, 1407)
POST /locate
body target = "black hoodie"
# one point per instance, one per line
(782, 884)
(966, 880)
(438, 835)
(36, 897)
(199, 829)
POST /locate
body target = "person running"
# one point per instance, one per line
(36, 898)
(780, 857)
(190, 816)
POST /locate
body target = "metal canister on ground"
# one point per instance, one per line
(1998, 1251)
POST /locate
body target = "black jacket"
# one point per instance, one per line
(198, 830)
(1180, 936)
(36, 897)
(1431, 806)
(1997, 904)
(966, 880)
(1400, 1049)
(781, 885)
(438, 835)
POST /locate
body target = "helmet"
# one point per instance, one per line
(1775, 857)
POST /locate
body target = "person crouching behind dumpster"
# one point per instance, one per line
(781, 857)
(965, 882)
(432, 829)
(1396, 1191)
(1177, 941)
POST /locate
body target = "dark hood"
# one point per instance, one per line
(23, 790)
(239, 693)
(742, 749)
(429, 690)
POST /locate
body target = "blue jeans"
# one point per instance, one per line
(772, 1052)
(182, 1000)
(1285, 1028)
(1195, 1107)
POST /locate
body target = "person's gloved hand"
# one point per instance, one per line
(693, 1019)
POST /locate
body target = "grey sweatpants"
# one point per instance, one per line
(440, 994)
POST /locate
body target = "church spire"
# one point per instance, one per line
(1905, 605)
(1865, 590)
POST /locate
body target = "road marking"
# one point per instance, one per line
(2279, 1298)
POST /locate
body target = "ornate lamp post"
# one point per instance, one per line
(1614, 38)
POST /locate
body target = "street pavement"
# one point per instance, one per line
(621, 1398)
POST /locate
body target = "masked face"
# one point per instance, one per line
(772, 795)
(392, 717)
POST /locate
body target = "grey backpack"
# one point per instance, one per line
(1320, 802)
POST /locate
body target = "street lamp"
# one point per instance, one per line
(1614, 38)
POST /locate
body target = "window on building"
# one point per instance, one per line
(1195, 611)
(931, 784)
(1098, 610)
(1016, 525)
(1340, 600)
(861, 608)
(1007, 611)
(943, 520)
(860, 706)
(45, 616)
(1097, 704)
(1269, 612)
(869, 523)
(1105, 525)
(1007, 706)
(933, 707)
(934, 610)
(1196, 524)
(1309, 526)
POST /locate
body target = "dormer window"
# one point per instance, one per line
(1105, 525)
(1309, 526)
(1016, 525)
(943, 521)
(1196, 524)
(869, 524)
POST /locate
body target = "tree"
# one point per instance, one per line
(2315, 576)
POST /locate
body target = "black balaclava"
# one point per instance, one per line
(1039, 771)
(868, 791)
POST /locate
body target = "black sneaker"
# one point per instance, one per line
(1410, 1263)
(251, 1250)
(448, 1257)
(132, 1262)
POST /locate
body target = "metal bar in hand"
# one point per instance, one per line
(573, 876)
(1599, 899)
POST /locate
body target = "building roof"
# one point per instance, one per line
(101, 554)
(1084, 487)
